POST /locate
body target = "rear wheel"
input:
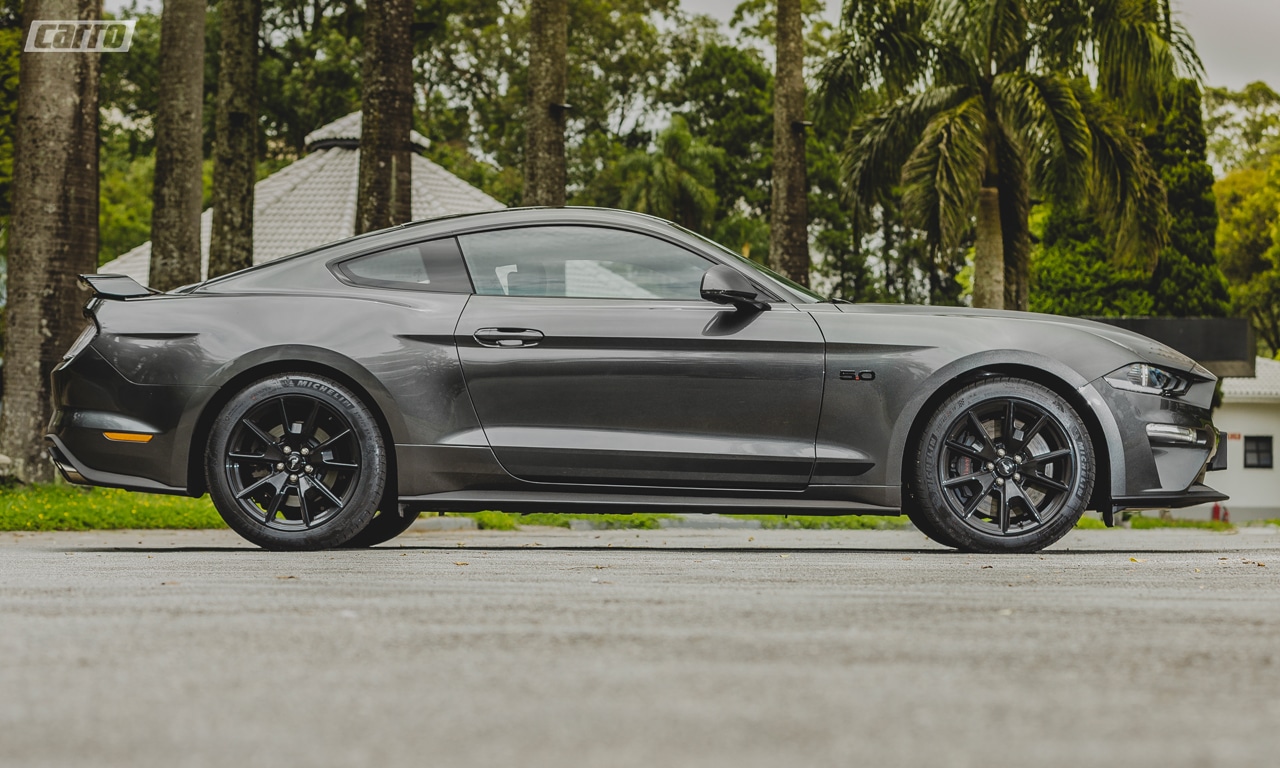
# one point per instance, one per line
(296, 461)
(1004, 465)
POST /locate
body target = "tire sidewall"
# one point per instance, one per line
(359, 510)
(927, 486)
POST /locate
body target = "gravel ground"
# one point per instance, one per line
(549, 647)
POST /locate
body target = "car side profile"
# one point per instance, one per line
(592, 360)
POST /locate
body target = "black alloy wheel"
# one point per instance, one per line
(1005, 465)
(296, 462)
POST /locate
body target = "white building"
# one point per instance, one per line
(1250, 417)
(313, 201)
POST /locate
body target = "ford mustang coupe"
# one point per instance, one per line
(592, 360)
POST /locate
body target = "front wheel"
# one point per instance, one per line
(1004, 465)
(296, 461)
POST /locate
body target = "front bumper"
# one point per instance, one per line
(1162, 448)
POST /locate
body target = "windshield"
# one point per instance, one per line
(789, 289)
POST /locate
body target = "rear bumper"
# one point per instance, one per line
(78, 473)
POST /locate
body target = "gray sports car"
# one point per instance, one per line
(591, 360)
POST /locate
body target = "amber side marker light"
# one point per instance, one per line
(127, 437)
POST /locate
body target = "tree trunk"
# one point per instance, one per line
(235, 151)
(1015, 208)
(176, 197)
(988, 258)
(384, 191)
(54, 236)
(789, 218)
(545, 175)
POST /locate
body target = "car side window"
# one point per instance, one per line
(435, 265)
(581, 263)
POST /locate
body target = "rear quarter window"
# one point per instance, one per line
(434, 265)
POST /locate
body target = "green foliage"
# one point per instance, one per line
(68, 508)
(1249, 248)
(1187, 281)
(1247, 209)
(675, 181)
(124, 196)
(1244, 126)
(937, 90)
(309, 69)
(825, 522)
(1139, 522)
(638, 521)
(1091, 524)
(494, 521)
(1074, 271)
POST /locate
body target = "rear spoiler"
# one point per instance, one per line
(115, 286)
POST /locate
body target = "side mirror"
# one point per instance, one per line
(724, 285)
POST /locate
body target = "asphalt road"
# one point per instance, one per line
(663, 648)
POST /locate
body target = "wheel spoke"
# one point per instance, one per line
(1048, 482)
(969, 478)
(1002, 510)
(338, 465)
(988, 448)
(247, 492)
(284, 418)
(258, 457)
(329, 443)
(267, 439)
(1050, 456)
(967, 450)
(1030, 434)
(972, 506)
(302, 502)
(309, 426)
(324, 491)
(1008, 425)
(282, 492)
(1016, 491)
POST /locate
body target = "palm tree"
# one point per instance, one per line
(676, 182)
(976, 103)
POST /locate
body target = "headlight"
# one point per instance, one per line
(1141, 377)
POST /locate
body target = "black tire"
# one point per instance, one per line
(385, 527)
(296, 461)
(1003, 465)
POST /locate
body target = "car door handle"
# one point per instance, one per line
(508, 337)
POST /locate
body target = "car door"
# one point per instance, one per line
(591, 359)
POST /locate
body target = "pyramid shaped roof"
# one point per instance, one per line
(313, 200)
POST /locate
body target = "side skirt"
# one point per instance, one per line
(524, 501)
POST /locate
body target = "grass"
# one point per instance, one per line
(827, 522)
(640, 520)
(68, 508)
(1139, 522)
(64, 507)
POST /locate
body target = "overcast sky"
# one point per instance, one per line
(1237, 39)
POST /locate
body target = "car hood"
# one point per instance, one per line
(1142, 347)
